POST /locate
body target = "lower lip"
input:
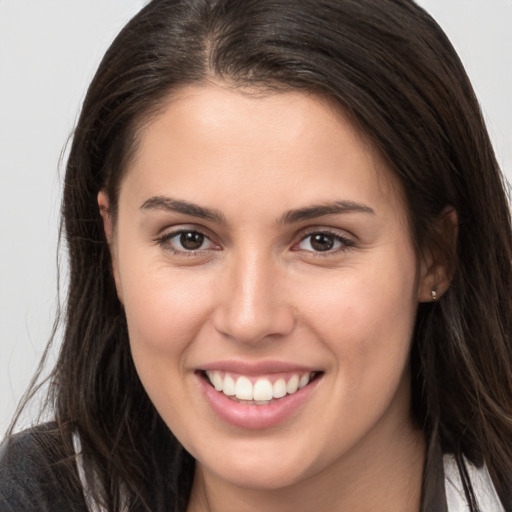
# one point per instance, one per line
(255, 416)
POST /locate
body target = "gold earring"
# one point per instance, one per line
(434, 295)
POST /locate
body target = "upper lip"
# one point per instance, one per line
(257, 367)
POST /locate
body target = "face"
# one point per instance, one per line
(262, 254)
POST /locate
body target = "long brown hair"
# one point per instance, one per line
(392, 69)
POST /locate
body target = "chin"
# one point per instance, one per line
(257, 467)
(261, 477)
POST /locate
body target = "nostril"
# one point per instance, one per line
(271, 324)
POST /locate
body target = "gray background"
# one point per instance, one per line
(49, 50)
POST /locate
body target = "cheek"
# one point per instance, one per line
(164, 313)
(164, 308)
(369, 304)
(366, 318)
(367, 325)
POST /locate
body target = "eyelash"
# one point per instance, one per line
(346, 244)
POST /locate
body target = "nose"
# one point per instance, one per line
(253, 304)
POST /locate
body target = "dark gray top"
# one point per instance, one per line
(37, 475)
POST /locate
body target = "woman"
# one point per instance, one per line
(290, 270)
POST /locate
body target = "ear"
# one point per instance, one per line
(104, 207)
(437, 264)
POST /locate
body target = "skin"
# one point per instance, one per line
(257, 290)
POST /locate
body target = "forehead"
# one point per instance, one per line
(222, 137)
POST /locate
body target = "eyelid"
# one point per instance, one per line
(343, 233)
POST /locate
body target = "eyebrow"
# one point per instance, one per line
(177, 205)
(315, 211)
(291, 216)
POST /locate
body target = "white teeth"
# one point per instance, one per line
(279, 388)
(304, 380)
(293, 385)
(263, 391)
(228, 386)
(217, 381)
(243, 389)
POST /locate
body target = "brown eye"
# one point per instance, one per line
(322, 242)
(191, 240)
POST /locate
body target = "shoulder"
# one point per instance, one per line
(37, 473)
(483, 487)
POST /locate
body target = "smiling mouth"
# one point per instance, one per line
(258, 390)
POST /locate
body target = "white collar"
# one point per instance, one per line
(92, 505)
(483, 487)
